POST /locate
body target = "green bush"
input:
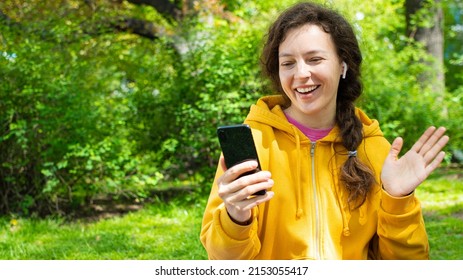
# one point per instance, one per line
(65, 109)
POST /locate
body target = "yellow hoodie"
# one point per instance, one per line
(309, 218)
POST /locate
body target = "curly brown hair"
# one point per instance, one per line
(356, 176)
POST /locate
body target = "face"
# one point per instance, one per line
(309, 70)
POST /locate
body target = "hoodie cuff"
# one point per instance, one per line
(234, 230)
(397, 205)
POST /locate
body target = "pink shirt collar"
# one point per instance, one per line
(312, 134)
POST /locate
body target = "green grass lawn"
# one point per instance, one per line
(159, 231)
(442, 202)
(170, 231)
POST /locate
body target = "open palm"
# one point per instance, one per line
(402, 176)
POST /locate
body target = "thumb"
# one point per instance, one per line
(222, 163)
(396, 147)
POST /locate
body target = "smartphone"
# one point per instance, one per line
(238, 146)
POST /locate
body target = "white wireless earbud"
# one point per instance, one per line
(344, 69)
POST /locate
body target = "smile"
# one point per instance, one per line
(306, 89)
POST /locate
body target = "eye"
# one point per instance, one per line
(314, 60)
(286, 64)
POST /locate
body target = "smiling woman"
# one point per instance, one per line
(336, 188)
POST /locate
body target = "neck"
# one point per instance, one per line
(324, 120)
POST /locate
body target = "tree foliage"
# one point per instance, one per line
(115, 97)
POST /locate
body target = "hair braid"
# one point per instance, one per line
(356, 176)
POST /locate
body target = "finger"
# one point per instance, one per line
(432, 140)
(435, 163)
(423, 138)
(396, 147)
(230, 190)
(236, 170)
(253, 202)
(251, 190)
(246, 186)
(436, 149)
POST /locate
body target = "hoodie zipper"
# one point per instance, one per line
(317, 215)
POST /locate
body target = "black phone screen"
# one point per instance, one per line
(238, 146)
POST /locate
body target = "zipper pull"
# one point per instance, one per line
(312, 149)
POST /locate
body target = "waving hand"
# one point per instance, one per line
(401, 176)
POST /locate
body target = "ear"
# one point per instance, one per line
(344, 69)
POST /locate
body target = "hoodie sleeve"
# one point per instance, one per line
(401, 229)
(401, 232)
(221, 237)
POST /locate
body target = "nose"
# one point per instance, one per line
(303, 71)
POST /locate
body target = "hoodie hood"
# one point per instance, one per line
(269, 110)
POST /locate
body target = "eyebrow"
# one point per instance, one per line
(284, 54)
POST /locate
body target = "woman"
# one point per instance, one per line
(336, 188)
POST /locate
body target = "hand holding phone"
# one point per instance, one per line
(238, 146)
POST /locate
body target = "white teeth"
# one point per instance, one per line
(305, 90)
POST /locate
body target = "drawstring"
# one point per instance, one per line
(341, 196)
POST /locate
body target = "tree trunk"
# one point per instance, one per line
(425, 22)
